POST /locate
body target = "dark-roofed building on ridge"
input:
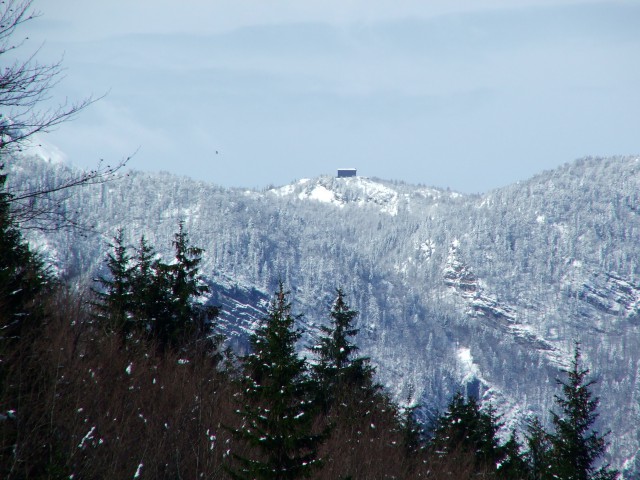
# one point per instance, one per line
(346, 172)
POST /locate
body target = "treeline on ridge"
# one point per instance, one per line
(132, 380)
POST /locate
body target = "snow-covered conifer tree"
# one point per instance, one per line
(576, 445)
(114, 300)
(338, 367)
(277, 403)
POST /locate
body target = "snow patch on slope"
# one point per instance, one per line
(468, 368)
(320, 193)
(48, 152)
(341, 192)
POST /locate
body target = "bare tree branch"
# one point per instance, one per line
(25, 85)
(43, 205)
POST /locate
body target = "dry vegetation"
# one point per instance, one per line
(85, 405)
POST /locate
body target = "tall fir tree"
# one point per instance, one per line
(537, 455)
(277, 409)
(25, 283)
(147, 299)
(338, 368)
(188, 317)
(23, 276)
(167, 293)
(114, 302)
(513, 465)
(575, 445)
(464, 427)
(159, 300)
(412, 430)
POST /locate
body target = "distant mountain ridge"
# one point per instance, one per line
(360, 191)
(481, 292)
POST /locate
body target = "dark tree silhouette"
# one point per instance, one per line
(144, 294)
(338, 368)
(464, 427)
(115, 299)
(277, 409)
(575, 445)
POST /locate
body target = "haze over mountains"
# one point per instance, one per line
(485, 293)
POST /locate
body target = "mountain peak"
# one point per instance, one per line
(385, 196)
(39, 148)
(343, 191)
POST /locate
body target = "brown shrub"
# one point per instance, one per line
(88, 406)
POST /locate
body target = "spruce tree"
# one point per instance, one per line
(24, 285)
(166, 293)
(464, 427)
(23, 276)
(575, 445)
(187, 316)
(513, 465)
(115, 299)
(277, 406)
(412, 430)
(538, 451)
(153, 295)
(145, 301)
(157, 299)
(338, 367)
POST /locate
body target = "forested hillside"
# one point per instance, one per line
(154, 326)
(484, 293)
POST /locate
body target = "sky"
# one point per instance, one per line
(469, 95)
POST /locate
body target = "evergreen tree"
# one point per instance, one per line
(24, 285)
(338, 368)
(465, 427)
(513, 466)
(23, 276)
(161, 322)
(157, 299)
(188, 317)
(168, 293)
(575, 445)
(145, 291)
(412, 430)
(115, 299)
(278, 410)
(538, 451)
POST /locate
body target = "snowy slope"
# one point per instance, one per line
(486, 292)
(359, 191)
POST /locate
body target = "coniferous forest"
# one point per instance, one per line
(132, 380)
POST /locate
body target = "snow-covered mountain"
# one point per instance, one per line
(481, 292)
(361, 191)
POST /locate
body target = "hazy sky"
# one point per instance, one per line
(470, 95)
